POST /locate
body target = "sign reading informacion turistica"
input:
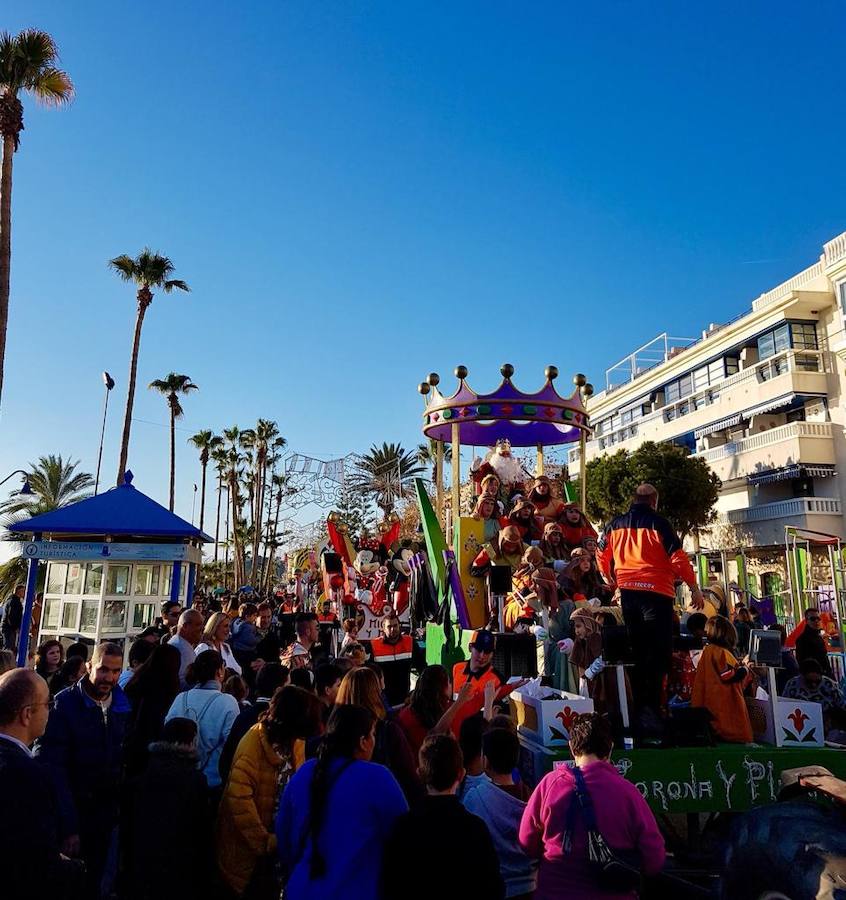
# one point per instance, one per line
(63, 550)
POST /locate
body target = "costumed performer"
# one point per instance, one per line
(492, 487)
(718, 685)
(499, 461)
(547, 506)
(534, 590)
(523, 516)
(552, 546)
(506, 549)
(581, 580)
(486, 511)
(575, 526)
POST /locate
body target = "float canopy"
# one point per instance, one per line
(526, 420)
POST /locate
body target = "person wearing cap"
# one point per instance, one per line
(478, 670)
(392, 651)
(547, 507)
(644, 556)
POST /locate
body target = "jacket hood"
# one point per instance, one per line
(175, 751)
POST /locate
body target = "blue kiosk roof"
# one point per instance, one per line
(122, 510)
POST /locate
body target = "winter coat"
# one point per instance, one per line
(245, 821)
(83, 749)
(169, 798)
(214, 714)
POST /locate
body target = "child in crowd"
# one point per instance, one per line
(718, 686)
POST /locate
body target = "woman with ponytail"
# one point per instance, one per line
(323, 853)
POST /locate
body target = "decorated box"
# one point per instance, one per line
(793, 723)
(546, 718)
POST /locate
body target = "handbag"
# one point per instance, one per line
(610, 870)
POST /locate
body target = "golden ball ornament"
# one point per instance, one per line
(579, 380)
(423, 388)
(461, 372)
(433, 379)
(507, 370)
(551, 373)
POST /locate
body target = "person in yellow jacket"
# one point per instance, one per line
(267, 756)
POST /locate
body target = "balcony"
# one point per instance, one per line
(809, 443)
(790, 372)
(764, 525)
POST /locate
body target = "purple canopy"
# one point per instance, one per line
(526, 420)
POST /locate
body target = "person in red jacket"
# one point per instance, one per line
(575, 526)
(644, 556)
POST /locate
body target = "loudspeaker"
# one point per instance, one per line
(615, 644)
(333, 564)
(765, 648)
(516, 654)
(500, 579)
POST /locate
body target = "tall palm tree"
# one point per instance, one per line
(172, 387)
(205, 442)
(386, 473)
(262, 441)
(54, 482)
(219, 458)
(148, 270)
(427, 454)
(27, 65)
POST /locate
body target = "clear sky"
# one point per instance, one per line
(359, 193)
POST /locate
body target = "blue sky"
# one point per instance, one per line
(360, 193)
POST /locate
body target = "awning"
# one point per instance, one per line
(788, 473)
(769, 406)
(717, 426)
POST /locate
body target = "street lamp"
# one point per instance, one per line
(109, 382)
(26, 488)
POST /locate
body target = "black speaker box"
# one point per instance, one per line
(500, 579)
(333, 563)
(516, 654)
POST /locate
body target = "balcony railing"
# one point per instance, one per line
(835, 249)
(782, 509)
(787, 287)
(767, 438)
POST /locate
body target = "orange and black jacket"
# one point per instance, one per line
(641, 552)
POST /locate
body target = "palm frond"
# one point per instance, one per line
(175, 284)
(124, 266)
(53, 87)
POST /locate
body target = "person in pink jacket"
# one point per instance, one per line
(622, 815)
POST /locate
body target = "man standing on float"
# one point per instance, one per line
(640, 552)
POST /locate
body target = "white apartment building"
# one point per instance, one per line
(759, 398)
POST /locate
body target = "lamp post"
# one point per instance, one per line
(109, 382)
(26, 489)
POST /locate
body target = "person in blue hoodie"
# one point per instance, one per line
(244, 638)
(500, 803)
(83, 750)
(336, 814)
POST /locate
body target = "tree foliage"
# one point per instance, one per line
(687, 488)
(386, 473)
(54, 482)
(355, 511)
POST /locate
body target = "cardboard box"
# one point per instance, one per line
(547, 720)
(793, 723)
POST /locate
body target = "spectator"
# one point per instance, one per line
(151, 692)
(500, 804)
(308, 634)
(360, 687)
(80, 649)
(72, 670)
(188, 633)
(215, 636)
(301, 677)
(430, 708)
(139, 652)
(213, 711)
(743, 627)
(392, 651)
(321, 854)
(812, 686)
(7, 661)
(622, 815)
(268, 755)
(49, 659)
(11, 618)
(471, 740)
(272, 677)
(356, 654)
(350, 629)
(150, 634)
(640, 552)
(789, 667)
(327, 682)
(810, 645)
(719, 681)
(168, 622)
(171, 793)
(29, 838)
(236, 687)
(245, 636)
(475, 872)
(82, 747)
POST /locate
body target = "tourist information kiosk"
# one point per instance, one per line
(111, 560)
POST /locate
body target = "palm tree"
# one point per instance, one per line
(54, 482)
(27, 64)
(385, 472)
(427, 454)
(263, 441)
(219, 457)
(171, 387)
(148, 270)
(205, 442)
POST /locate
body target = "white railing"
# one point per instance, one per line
(835, 249)
(792, 284)
(781, 509)
(764, 371)
(767, 438)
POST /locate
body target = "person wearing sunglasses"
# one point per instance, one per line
(810, 644)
